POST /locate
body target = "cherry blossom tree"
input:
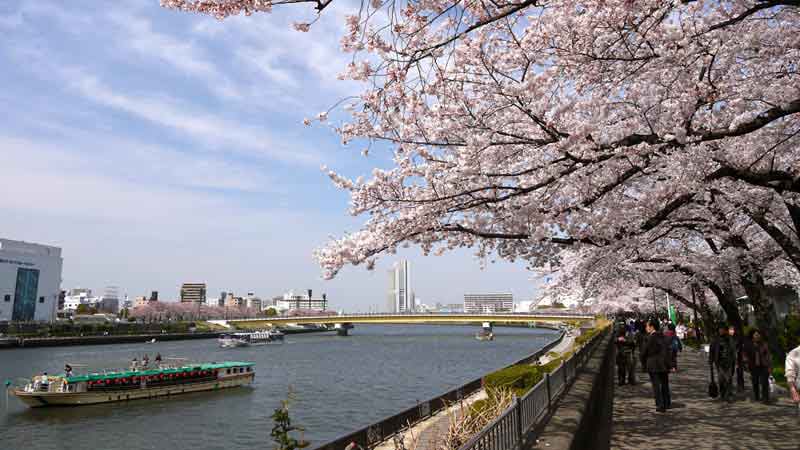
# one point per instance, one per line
(523, 129)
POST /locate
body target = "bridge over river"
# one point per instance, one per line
(342, 322)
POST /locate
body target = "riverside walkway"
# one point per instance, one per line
(697, 421)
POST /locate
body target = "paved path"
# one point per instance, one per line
(697, 422)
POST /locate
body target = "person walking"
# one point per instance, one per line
(654, 360)
(792, 373)
(639, 339)
(625, 348)
(675, 346)
(723, 356)
(759, 361)
(739, 342)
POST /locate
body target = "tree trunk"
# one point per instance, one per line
(764, 308)
(727, 300)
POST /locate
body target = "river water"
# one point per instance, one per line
(340, 384)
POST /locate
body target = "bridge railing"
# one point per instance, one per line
(533, 315)
(389, 427)
(510, 429)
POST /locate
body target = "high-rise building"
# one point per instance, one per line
(30, 281)
(193, 292)
(109, 302)
(489, 303)
(401, 295)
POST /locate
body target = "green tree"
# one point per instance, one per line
(82, 309)
(282, 430)
(270, 312)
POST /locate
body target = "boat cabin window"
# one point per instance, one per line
(249, 369)
(227, 370)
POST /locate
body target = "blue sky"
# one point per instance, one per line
(157, 147)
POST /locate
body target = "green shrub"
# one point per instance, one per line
(790, 335)
(518, 379)
(692, 342)
(586, 336)
(478, 406)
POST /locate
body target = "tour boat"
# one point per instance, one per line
(63, 390)
(245, 339)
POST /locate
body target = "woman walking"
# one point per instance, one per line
(759, 362)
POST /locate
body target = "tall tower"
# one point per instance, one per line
(401, 295)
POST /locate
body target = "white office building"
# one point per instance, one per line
(30, 281)
(489, 303)
(293, 302)
(79, 296)
(400, 297)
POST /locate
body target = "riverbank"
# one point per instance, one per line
(61, 341)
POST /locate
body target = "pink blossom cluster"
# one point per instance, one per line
(189, 311)
(220, 8)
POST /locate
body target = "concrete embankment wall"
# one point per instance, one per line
(101, 340)
(118, 339)
(583, 418)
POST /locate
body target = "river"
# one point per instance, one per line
(340, 384)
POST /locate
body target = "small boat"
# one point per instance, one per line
(246, 339)
(484, 335)
(114, 386)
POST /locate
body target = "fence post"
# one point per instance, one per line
(518, 409)
(547, 384)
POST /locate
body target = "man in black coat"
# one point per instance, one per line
(655, 359)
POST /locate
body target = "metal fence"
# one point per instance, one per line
(508, 431)
(371, 435)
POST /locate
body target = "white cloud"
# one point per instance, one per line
(138, 35)
(78, 156)
(198, 125)
(266, 62)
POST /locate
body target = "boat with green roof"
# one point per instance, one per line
(139, 383)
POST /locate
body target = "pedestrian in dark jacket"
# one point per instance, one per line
(723, 356)
(759, 362)
(739, 342)
(655, 359)
(625, 359)
(675, 346)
